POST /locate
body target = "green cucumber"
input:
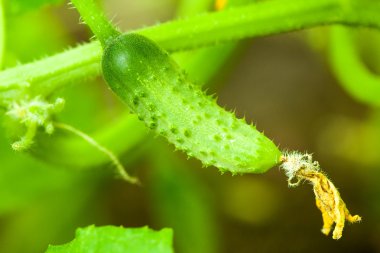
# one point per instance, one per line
(154, 87)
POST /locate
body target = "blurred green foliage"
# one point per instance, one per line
(2, 33)
(181, 201)
(353, 74)
(42, 201)
(15, 7)
(41, 31)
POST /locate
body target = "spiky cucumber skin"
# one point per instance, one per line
(155, 88)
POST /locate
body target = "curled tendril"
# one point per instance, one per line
(33, 113)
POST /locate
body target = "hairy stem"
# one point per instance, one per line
(78, 154)
(262, 18)
(187, 8)
(96, 20)
(259, 19)
(361, 13)
(46, 76)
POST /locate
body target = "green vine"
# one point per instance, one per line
(154, 87)
(78, 153)
(157, 90)
(259, 19)
(354, 76)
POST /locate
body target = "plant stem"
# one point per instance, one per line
(354, 76)
(361, 13)
(188, 8)
(49, 74)
(215, 56)
(78, 153)
(96, 20)
(259, 19)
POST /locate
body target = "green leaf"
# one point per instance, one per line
(112, 239)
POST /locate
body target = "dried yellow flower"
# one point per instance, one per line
(301, 167)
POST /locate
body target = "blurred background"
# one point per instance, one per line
(292, 86)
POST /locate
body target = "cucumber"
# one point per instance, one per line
(154, 87)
